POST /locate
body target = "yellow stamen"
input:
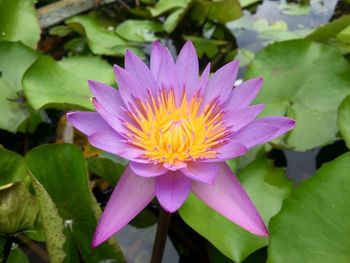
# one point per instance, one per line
(168, 131)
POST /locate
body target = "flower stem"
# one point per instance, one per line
(160, 239)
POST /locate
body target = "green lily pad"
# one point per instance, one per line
(100, 33)
(65, 179)
(17, 255)
(163, 6)
(12, 167)
(344, 35)
(18, 209)
(106, 169)
(18, 22)
(15, 112)
(266, 185)
(344, 120)
(139, 30)
(209, 47)
(63, 84)
(306, 81)
(313, 225)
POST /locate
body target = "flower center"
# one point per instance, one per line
(168, 131)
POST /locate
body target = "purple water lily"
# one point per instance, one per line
(177, 129)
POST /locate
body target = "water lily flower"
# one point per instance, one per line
(177, 129)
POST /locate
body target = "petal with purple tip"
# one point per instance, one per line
(134, 65)
(228, 198)
(132, 194)
(108, 96)
(128, 86)
(187, 67)
(88, 122)
(284, 124)
(113, 143)
(242, 117)
(157, 53)
(172, 190)
(201, 172)
(243, 95)
(255, 133)
(221, 84)
(148, 169)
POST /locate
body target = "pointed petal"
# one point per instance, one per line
(201, 84)
(228, 151)
(135, 66)
(107, 96)
(284, 124)
(167, 77)
(88, 122)
(128, 86)
(172, 190)
(130, 196)
(148, 169)
(113, 143)
(240, 118)
(113, 120)
(187, 67)
(201, 172)
(228, 198)
(244, 94)
(221, 84)
(255, 133)
(157, 53)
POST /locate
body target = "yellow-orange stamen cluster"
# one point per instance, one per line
(170, 131)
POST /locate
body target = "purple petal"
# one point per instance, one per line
(175, 165)
(241, 117)
(113, 143)
(113, 120)
(202, 83)
(172, 190)
(108, 96)
(128, 86)
(135, 66)
(228, 198)
(157, 53)
(201, 172)
(148, 169)
(255, 133)
(284, 124)
(243, 95)
(220, 85)
(130, 196)
(230, 150)
(187, 67)
(167, 76)
(88, 122)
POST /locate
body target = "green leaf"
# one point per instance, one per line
(174, 19)
(219, 10)
(329, 30)
(18, 209)
(12, 167)
(209, 47)
(163, 6)
(64, 84)
(313, 225)
(344, 35)
(100, 33)
(65, 180)
(18, 22)
(15, 60)
(344, 120)
(266, 185)
(106, 169)
(293, 9)
(139, 30)
(17, 255)
(245, 3)
(306, 81)
(52, 222)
